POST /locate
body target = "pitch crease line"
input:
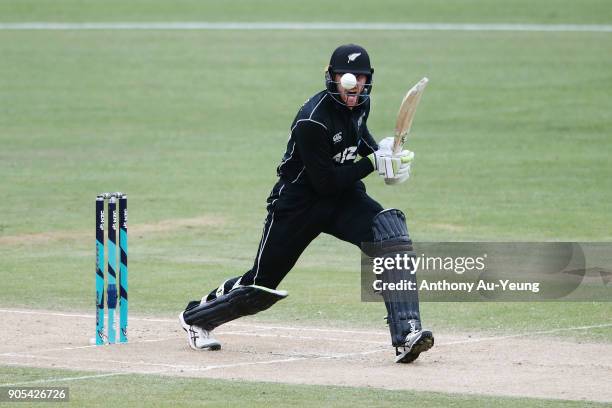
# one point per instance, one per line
(228, 333)
(274, 327)
(163, 320)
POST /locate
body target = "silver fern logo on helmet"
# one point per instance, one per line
(353, 57)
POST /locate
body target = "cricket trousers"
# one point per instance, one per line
(296, 216)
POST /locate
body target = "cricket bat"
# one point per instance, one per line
(406, 114)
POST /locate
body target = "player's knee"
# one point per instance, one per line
(389, 225)
(389, 233)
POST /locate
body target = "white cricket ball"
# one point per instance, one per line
(92, 341)
(348, 81)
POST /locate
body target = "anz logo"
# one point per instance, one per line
(348, 154)
(337, 138)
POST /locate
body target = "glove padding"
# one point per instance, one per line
(386, 144)
(403, 173)
(394, 168)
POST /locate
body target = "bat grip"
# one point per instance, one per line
(398, 143)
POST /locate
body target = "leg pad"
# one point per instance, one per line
(391, 238)
(240, 301)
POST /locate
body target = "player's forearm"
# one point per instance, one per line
(333, 180)
(314, 150)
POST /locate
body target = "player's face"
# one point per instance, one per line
(351, 96)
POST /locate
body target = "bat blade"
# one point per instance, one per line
(406, 113)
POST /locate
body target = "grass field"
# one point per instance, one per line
(512, 142)
(163, 392)
(469, 11)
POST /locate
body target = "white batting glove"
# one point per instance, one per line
(379, 160)
(403, 173)
(380, 157)
(386, 144)
(390, 166)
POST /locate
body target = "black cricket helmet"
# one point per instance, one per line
(351, 58)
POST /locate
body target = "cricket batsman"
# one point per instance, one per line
(319, 190)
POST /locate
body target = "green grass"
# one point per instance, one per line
(519, 11)
(515, 149)
(165, 391)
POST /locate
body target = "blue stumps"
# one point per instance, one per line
(99, 270)
(111, 291)
(123, 269)
(116, 294)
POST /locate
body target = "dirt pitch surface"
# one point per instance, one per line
(529, 365)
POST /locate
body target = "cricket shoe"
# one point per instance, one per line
(416, 343)
(198, 338)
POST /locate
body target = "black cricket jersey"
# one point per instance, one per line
(325, 141)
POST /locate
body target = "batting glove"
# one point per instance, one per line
(403, 172)
(386, 144)
(391, 166)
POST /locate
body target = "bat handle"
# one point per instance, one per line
(398, 143)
